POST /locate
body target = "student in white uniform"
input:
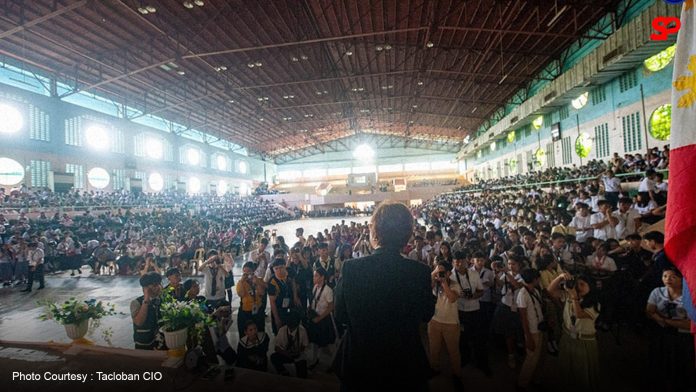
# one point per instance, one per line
(581, 223)
(603, 222)
(530, 309)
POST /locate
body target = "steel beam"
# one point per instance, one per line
(42, 19)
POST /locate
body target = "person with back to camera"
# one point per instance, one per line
(383, 298)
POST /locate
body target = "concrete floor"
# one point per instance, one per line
(19, 322)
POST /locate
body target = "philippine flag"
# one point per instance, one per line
(680, 224)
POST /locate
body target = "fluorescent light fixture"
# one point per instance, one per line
(156, 182)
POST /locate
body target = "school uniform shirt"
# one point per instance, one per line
(585, 326)
(253, 355)
(508, 293)
(446, 312)
(299, 339)
(606, 232)
(486, 276)
(218, 278)
(581, 222)
(322, 298)
(661, 187)
(35, 257)
(668, 308)
(651, 205)
(470, 281)
(262, 265)
(611, 184)
(531, 301)
(627, 222)
(646, 185)
(605, 263)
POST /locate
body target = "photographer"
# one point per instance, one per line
(506, 322)
(214, 275)
(469, 312)
(530, 309)
(251, 291)
(444, 326)
(579, 354)
(145, 312)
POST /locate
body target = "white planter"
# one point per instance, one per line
(77, 331)
(177, 339)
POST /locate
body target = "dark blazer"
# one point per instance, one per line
(383, 298)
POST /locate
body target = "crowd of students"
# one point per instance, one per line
(630, 166)
(544, 271)
(132, 241)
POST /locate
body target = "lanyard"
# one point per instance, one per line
(316, 299)
(535, 300)
(456, 273)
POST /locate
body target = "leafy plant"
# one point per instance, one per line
(74, 311)
(176, 315)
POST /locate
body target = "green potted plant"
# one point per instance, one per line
(182, 322)
(75, 316)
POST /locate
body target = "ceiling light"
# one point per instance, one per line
(258, 63)
(188, 4)
(199, 3)
(474, 109)
(265, 98)
(260, 118)
(230, 100)
(151, 9)
(303, 57)
(349, 53)
(415, 106)
(379, 48)
(182, 73)
(420, 83)
(143, 10)
(250, 65)
(361, 89)
(503, 79)
(294, 59)
(430, 44)
(387, 47)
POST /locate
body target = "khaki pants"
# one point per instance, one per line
(449, 333)
(531, 361)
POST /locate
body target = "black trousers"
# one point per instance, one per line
(612, 197)
(37, 273)
(473, 337)
(279, 360)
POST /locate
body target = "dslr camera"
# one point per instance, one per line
(467, 293)
(568, 284)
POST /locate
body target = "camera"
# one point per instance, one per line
(467, 293)
(568, 284)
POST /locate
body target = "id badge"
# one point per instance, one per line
(286, 302)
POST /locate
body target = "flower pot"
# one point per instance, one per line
(176, 339)
(77, 331)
